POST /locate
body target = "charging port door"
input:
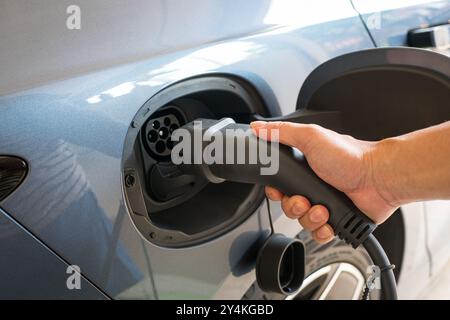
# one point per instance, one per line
(378, 93)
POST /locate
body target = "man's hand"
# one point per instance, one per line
(343, 162)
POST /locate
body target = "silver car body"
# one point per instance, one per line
(68, 96)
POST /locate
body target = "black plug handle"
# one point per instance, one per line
(296, 177)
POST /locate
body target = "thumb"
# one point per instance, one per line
(292, 134)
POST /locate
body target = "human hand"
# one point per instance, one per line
(340, 160)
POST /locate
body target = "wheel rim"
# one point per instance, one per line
(335, 281)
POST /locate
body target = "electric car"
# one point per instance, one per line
(90, 92)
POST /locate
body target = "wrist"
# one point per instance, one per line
(382, 174)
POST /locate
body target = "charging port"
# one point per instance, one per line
(173, 209)
(157, 130)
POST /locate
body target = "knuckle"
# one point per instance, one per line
(314, 130)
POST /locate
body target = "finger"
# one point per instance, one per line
(316, 217)
(273, 194)
(295, 207)
(293, 134)
(323, 234)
